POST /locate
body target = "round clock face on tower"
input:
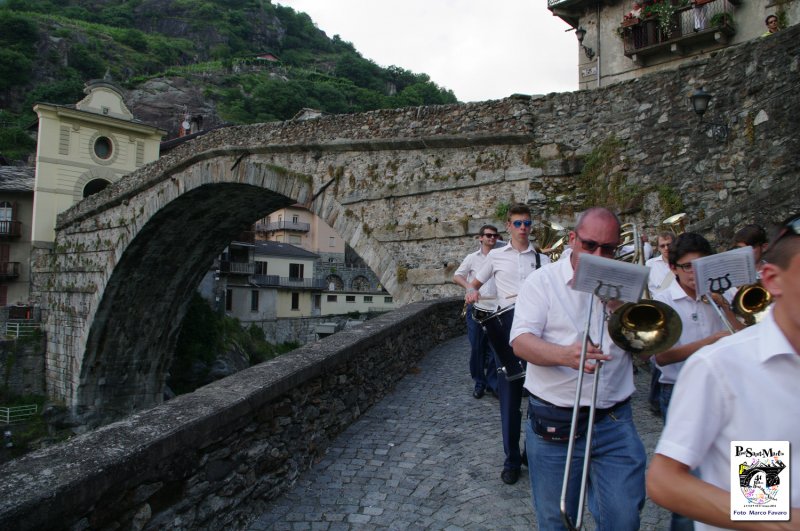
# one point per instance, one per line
(103, 147)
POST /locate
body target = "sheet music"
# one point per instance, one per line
(610, 279)
(722, 271)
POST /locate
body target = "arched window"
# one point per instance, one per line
(360, 283)
(334, 283)
(94, 186)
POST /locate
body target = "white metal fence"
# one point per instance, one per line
(13, 415)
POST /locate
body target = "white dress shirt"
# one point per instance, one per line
(550, 309)
(741, 388)
(699, 320)
(509, 268)
(659, 274)
(471, 265)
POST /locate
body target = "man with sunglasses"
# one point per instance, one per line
(508, 266)
(741, 388)
(548, 333)
(482, 366)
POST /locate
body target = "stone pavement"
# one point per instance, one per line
(428, 456)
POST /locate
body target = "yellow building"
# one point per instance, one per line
(83, 148)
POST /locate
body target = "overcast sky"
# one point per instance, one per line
(479, 49)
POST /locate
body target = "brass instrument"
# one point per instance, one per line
(751, 302)
(646, 327)
(677, 223)
(627, 238)
(553, 239)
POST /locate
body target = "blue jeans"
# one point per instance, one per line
(616, 490)
(655, 386)
(482, 367)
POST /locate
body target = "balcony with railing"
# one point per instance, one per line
(295, 226)
(9, 270)
(10, 229)
(267, 281)
(689, 26)
(236, 268)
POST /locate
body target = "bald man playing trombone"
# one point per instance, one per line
(549, 322)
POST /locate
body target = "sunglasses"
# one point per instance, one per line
(489, 235)
(684, 267)
(518, 223)
(591, 246)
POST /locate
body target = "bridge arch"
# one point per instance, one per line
(127, 260)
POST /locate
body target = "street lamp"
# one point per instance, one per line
(699, 100)
(581, 33)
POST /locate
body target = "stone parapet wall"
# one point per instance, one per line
(197, 461)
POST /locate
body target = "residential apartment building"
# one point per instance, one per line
(625, 39)
(16, 213)
(293, 278)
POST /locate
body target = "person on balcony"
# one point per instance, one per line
(772, 25)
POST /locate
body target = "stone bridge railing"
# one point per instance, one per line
(209, 459)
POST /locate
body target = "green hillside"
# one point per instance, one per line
(49, 49)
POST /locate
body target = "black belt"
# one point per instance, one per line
(599, 412)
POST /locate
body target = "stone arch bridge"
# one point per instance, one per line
(408, 189)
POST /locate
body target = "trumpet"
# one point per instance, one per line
(751, 303)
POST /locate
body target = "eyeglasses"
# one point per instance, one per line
(684, 267)
(591, 246)
(663, 245)
(518, 223)
(489, 235)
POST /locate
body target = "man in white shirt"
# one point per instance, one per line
(660, 275)
(547, 332)
(743, 387)
(482, 367)
(701, 324)
(660, 278)
(508, 266)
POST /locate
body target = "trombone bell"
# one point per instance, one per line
(646, 327)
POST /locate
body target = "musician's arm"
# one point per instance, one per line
(536, 350)
(461, 281)
(672, 486)
(682, 352)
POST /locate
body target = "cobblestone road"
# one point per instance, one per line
(428, 456)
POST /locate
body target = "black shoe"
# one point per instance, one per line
(509, 476)
(478, 392)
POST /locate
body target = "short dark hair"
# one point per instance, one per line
(666, 234)
(753, 235)
(688, 242)
(784, 245)
(519, 208)
(484, 227)
(766, 20)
